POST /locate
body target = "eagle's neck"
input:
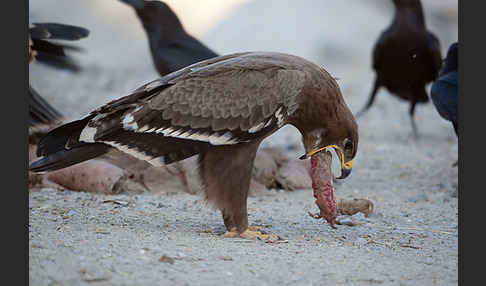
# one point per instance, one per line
(318, 111)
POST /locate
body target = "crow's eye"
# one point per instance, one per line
(413, 54)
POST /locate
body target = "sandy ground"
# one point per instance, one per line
(173, 238)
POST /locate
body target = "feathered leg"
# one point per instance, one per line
(371, 99)
(226, 173)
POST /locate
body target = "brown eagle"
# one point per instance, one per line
(221, 109)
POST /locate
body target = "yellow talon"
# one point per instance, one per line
(252, 232)
(232, 233)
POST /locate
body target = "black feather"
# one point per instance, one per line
(54, 56)
(58, 138)
(56, 31)
(53, 53)
(60, 148)
(65, 158)
(41, 112)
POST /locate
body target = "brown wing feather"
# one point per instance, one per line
(235, 94)
(246, 96)
(220, 101)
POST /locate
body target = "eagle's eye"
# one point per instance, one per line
(348, 146)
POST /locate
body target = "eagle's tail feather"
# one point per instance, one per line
(60, 148)
(65, 158)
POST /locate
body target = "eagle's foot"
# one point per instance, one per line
(253, 232)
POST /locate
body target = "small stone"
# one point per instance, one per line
(347, 221)
(93, 274)
(181, 255)
(71, 213)
(167, 259)
(226, 258)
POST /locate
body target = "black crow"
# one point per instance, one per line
(406, 57)
(444, 89)
(171, 46)
(43, 50)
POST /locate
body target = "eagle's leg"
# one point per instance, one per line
(226, 173)
(228, 220)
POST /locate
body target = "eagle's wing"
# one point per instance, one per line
(220, 101)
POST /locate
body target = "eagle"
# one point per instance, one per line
(405, 58)
(219, 109)
(45, 51)
(172, 48)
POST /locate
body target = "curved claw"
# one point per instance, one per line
(253, 232)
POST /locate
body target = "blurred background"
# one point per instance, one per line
(338, 34)
(411, 182)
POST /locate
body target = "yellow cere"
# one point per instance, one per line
(320, 149)
(348, 165)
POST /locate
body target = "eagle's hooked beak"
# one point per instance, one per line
(346, 167)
